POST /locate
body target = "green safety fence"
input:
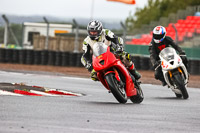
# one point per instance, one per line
(192, 53)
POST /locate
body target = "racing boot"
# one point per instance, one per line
(94, 75)
(134, 72)
(164, 83)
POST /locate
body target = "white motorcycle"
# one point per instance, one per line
(174, 71)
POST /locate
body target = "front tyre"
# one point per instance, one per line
(116, 89)
(178, 95)
(180, 84)
(139, 97)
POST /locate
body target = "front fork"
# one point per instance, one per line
(168, 75)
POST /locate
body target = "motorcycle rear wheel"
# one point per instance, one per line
(119, 93)
(180, 84)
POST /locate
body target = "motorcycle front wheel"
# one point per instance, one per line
(140, 96)
(180, 84)
(116, 89)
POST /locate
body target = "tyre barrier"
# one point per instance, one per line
(72, 59)
(15, 56)
(144, 63)
(44, 57)
(65, 58)
(136, 61)
(37, 57)
(8, 56)
(51, 58)
(22, 56)
(78, 61)
(57, 58)
(29, 57)
(2, 54)
(194, 67)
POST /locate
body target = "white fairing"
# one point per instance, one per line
(99, 48)
(171, 60)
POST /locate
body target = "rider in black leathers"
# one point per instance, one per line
(159, 42)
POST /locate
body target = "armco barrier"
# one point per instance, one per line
(73, 59)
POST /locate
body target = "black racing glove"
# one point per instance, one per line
(156, 64)
(182, 53)
(89, 66)
(120, 48)
(184, 58)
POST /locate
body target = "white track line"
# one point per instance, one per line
(2, 92)
(30, 74)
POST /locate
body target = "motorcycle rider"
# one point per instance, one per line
(96, 33)
(159, 42)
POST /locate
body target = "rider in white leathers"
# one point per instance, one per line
(96, 33)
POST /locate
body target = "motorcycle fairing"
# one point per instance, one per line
(110, 61)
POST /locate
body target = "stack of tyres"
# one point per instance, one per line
(51, 58)
(136, 61)
(58, 60)
(2, 54)
(150, 65)
(15, 56)
(8, 56)
(22, 56)
(65, 58)
(144, 63)
(78, 60)
(44, 57)
(37, 57)
(72, 58)
(194, 67)
(29, 56)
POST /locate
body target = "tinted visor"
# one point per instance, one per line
(93, 33)
(158, 37)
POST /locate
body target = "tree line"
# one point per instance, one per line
(155, 9)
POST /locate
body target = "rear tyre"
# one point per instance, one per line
(118, 92)
(139, 97)
(180, 84)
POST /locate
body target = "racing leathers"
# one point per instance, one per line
(109, 39)
(154, 50)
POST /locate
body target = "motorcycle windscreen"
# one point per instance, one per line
(99, 48)
(167, 53)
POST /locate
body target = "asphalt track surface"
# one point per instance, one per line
(97, 111)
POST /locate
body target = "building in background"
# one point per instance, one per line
(31, 29)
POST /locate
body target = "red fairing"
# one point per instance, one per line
(110, 61)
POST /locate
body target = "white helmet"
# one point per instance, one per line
(159, 33)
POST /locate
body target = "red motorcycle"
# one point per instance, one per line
(114, 75)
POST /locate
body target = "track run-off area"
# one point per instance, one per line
(91, 108)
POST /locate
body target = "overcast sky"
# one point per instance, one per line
(70, 8)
